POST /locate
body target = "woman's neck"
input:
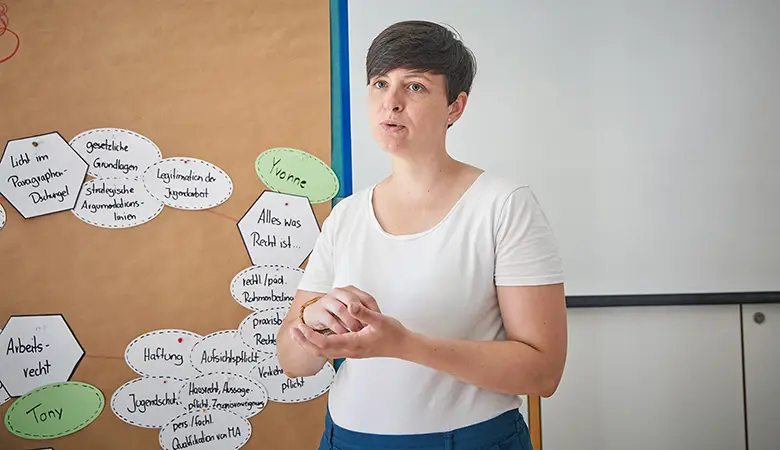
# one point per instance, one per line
(419, 177)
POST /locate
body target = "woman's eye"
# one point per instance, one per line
(379, 84)
(416, 87)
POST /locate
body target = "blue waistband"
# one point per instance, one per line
(472, 436)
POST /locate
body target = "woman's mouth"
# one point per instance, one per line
(391, 127)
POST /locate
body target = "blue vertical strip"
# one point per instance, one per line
(346, 129)
(341, 143)
(336, 161)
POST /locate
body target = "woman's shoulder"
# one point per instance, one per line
(499, 187)
(346, 208)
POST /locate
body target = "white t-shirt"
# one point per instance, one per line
(440, 282)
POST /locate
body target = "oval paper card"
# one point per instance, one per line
(210, 429)
(188, 183)
(163, 353)
(227, 391)
(224, 351)
(116, 203)
(54, 410)
(283, 389)
(293, 171)
(267, 286)
(148, 402)
(259, 329)
(114, 152)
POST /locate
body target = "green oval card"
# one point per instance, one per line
(54, 410)
(293, 171)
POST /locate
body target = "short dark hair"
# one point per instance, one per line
(422, 45)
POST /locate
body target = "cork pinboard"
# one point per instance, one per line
(216, 81)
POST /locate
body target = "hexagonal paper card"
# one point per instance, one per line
(41, 174)
(4, 396)
(279, 229)
(37, 350)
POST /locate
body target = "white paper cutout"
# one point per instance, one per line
(163, 353)
(259, 329)
(116, 203)
(282, 389)
(4, 395)
(210, 429)
(188, 183)
(224, 390)
(148, 402)
(268, 286)
(41, 175)
(114, 152)
(279, 229)
(2, 217)
(224, 351)
(37, 350)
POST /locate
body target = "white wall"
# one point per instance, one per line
(647, 378)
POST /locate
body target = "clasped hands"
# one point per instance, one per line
(358, 329)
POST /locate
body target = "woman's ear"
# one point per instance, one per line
(456, 108)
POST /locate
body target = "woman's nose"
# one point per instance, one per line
(394, 101)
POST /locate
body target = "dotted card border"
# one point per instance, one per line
(304, 154)
(142, 379)
(236, 335)
(257, 313)
(327, 367)
(251, 380)
(118, 130)
(243, 421)
(238, 276)
(102, 225)
(87, 421)
(196, 161)
(154, 333)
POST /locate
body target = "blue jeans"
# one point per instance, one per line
(505, 432)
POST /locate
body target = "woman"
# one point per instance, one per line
(441, 285)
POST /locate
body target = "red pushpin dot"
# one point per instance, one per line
(285, 203)
(180, 339)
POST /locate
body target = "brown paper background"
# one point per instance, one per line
(216, 80)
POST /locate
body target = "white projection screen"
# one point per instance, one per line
(649, 131)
